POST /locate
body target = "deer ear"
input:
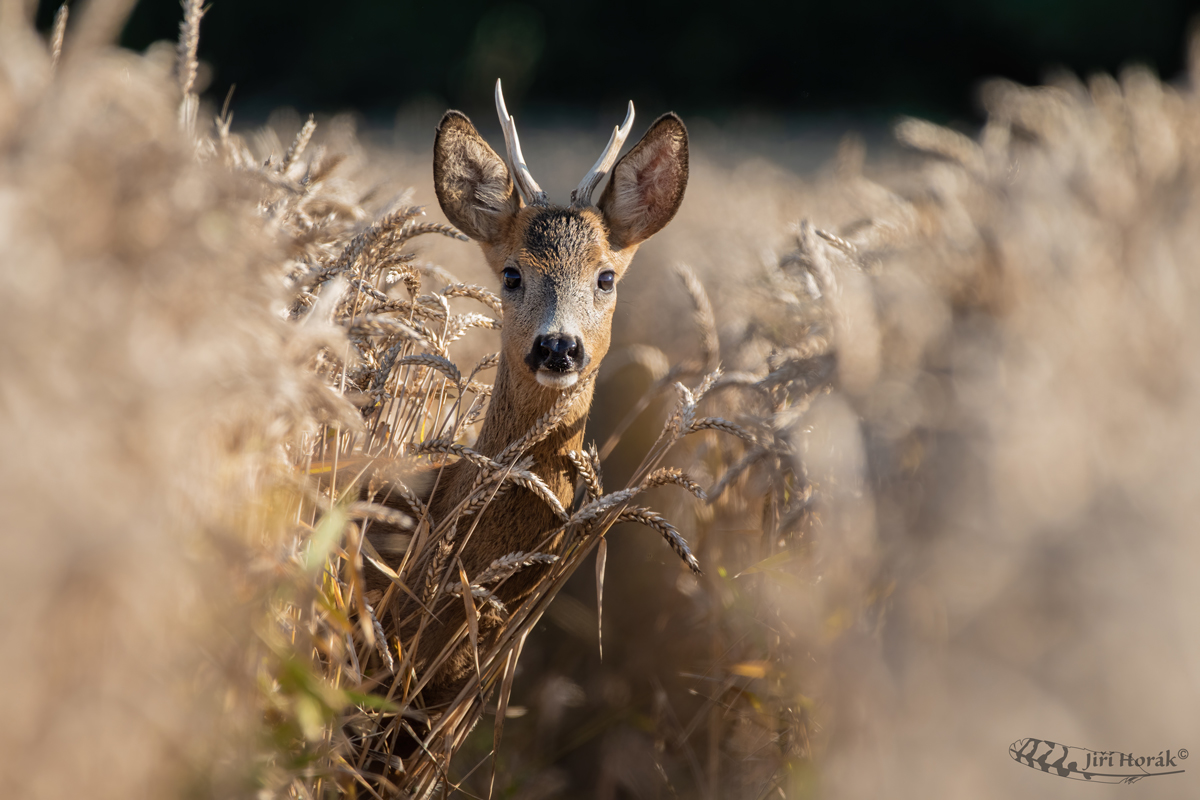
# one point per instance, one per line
(472, 183)
(647, 184)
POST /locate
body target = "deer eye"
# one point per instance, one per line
(605, 281)
(512, 278)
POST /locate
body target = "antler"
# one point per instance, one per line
(531, 193)
(582, 196)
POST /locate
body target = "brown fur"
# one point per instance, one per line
(560, 253)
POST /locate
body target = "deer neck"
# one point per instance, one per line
(516, 406)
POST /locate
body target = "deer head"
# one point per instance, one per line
(559, 266)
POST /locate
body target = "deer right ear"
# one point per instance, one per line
(472, 183)
(647, 184)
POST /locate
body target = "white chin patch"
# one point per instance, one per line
(557, 380)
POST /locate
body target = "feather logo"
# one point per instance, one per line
(1097, 766)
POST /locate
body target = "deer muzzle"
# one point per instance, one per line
(557, 359)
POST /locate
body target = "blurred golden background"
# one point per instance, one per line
(968, 355)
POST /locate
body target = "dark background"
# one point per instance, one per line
(721, 58)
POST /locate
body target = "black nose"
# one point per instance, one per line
(558, 353)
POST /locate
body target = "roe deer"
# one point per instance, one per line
(559, 267)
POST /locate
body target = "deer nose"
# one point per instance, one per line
(559, 353)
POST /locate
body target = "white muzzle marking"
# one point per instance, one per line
(557, 380)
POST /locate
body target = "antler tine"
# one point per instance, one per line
(582, 196)
(530, 192)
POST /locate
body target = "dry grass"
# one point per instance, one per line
(941, 487)
(966, 511)
(148, 391)
(315, 308)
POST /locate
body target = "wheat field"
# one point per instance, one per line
(897, 459)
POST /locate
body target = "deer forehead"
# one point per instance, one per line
(560, 243)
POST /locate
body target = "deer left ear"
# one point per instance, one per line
(472, 182)
(647, 184)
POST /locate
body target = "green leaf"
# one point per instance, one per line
(368, 700)
(326, 536)
(310, 716)
(769, 563)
